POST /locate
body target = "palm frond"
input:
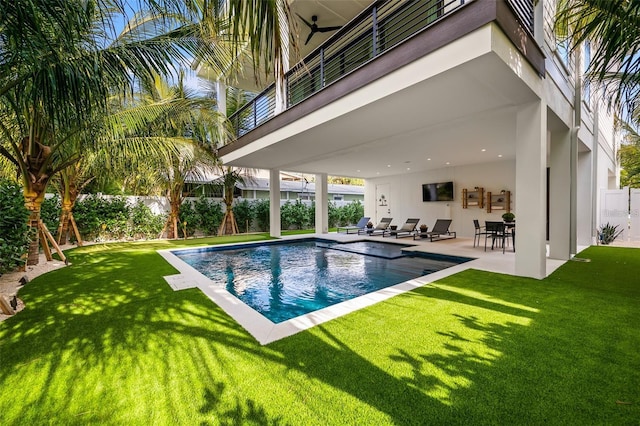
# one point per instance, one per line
(259, 24)
(613, 26)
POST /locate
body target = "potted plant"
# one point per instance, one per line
(509, 217)
(423, 228)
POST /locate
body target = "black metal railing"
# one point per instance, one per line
(374, 31)
(524, 11)
(255, 112)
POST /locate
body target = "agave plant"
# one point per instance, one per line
(608, 233)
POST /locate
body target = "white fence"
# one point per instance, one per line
(621, 207)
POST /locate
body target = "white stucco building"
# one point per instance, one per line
(475, 92)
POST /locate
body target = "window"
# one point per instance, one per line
(585, 68)
(562, 49)
(338, 197)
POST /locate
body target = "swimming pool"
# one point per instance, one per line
(283, 280)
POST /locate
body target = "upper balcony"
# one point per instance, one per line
(409, 29)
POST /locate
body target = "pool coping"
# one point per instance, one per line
(261, 328)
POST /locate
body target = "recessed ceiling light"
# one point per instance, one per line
(447, 163)
(483, 150)
(499, 155)
(388, 165)
(377, 173)
(408, 168)
(428, 159)
(358, 170)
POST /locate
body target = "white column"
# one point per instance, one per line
(559, 195)
(281, 69)
(274, 203)
(221, 101)
(322, 204)
(584, 219)
(530, 206)
(538, 22)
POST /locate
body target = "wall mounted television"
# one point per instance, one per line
(442, 191)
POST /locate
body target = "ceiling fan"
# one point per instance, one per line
(315, 28)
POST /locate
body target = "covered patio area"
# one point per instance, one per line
(472, 113)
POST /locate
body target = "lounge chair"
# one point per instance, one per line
(440, 231)
(362, 223)
(382, 226)
(407, 230)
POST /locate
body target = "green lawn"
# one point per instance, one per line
(106, 341)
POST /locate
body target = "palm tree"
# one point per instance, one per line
(58, 65)
(614, 28)
(70, 182)
(264, 28)
(228, 180)
(629, 157)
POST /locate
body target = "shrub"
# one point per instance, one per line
(50, 212)
(296, 214)
(347, 214)
(209, 215)
(311, 217)
(189, 215)
(244, 214)
(334, 215)
(145, 224)
(261, 210)
(14, 231)
(101, 218)
(351, 213)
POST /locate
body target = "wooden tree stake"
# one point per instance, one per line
(44, 244)
(75, 230)
(45, 231)
(5, 307)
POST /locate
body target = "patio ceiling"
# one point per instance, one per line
(464, 116)
(330, 13)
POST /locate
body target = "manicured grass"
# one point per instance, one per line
(106, 341)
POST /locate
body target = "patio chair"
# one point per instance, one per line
(479, 232)
(382, 226)
(497, 231)
(362, 223)
(407, 230)
(439, 232)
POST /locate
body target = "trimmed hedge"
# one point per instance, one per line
(105, 219)
(14, 231)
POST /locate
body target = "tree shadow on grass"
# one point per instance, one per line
(495, 350)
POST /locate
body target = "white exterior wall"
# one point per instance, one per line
(405, 195)
(596, 166)
(585, 220)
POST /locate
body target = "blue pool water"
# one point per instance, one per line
(283, 280)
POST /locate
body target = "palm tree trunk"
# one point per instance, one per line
(33, 203)
(172, 221)
(69, 197)
(63, 226)
(229, 225)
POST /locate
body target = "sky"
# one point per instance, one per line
(191, 81)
